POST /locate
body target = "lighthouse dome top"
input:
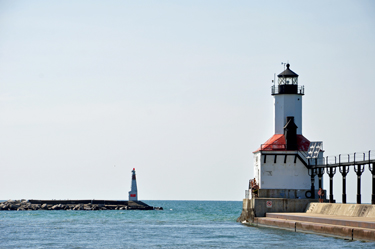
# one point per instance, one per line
(288, 73)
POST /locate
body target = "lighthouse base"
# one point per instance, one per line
(286, 193)
(258, 207)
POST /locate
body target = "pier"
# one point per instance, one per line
(348, 221)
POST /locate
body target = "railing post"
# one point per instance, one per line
(331, 171)
(320, 172)
(312, 172)
(372, 170)
(359, 170)
(344, 170)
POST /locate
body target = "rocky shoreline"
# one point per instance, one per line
(88, 205)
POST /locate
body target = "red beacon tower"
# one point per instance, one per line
(133, 193)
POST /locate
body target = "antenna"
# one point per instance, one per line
(283, 63)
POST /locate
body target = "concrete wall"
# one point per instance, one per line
(279, 205)
(352, 210)
(285, 193)
(258, 207)
(247, 213)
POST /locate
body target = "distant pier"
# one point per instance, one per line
(30, 205)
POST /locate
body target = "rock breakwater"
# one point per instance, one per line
(88, 205)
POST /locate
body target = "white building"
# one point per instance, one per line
(280, 164)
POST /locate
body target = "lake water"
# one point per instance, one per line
(182, 224)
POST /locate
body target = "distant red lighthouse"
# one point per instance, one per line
(133, 195)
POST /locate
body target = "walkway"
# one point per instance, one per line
(353, 228)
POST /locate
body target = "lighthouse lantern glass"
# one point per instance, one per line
(288, 81)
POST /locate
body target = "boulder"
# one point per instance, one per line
(14, 206)
(56, 207)
(77, 207)
(35, 206)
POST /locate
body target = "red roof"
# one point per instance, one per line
(277, 142)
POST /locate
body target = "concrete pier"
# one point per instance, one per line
(349, 221)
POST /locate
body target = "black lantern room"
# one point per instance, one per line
(287, 83)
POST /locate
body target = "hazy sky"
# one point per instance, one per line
(180, 90)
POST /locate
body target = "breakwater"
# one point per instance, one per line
(30, 205)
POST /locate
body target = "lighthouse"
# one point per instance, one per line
(284, 178)
(281, 163)
(133, 195)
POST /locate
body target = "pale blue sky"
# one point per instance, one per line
(180, 90)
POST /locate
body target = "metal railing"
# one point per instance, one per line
(345, 159)
(275, 89)
(343, 162)
(273, 147)
(265, 147)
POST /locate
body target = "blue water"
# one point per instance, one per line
(182, 224)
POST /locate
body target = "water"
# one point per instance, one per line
(182, 224)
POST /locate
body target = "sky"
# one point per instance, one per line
(178, 90)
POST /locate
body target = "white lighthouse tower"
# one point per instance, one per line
(287, 100)
(281, 163)
(133, 194)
